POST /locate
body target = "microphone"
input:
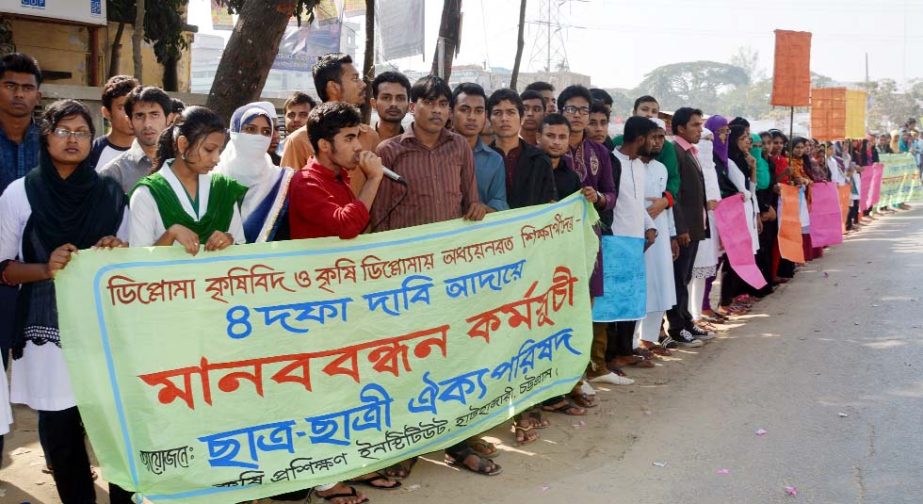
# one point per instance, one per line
(393, 176)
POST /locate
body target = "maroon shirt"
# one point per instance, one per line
(322, 204)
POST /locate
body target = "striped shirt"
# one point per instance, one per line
(441, 183)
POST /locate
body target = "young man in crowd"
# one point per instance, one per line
(336, 79)
(597, 129)
(438, 166)
(296, 108)
(529, 177)
(554, 141)
(547, 91)
(150, 111)
(691, 226)
(469, 114)
(120, 136)
(323, 204)
(390, 94)
(533, 112)
(603, 97)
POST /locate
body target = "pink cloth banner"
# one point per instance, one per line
(879, 171)
(735, 236)
(865, 188)
(826, 216)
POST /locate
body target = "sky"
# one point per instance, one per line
(617, 42)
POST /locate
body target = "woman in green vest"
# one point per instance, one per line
(183, 202)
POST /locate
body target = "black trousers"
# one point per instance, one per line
(621, 339)
(731, 284)
(768, 239)
(853, 216)
(679, 316)
(66, 453)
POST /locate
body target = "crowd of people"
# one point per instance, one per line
(171, 175)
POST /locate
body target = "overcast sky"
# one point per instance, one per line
(618, 41)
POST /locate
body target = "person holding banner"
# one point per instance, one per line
(766, 203)
(58, 208)
(264, 210)
(184, 202)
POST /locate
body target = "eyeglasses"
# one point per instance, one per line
(66, 133)
(570, 109)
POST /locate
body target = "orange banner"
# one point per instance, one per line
(790, 244)
(828, 113)
(791, 81)
(845, 193)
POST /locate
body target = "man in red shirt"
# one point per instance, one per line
(320, 200)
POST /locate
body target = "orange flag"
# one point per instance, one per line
(845, 193)
(791, 81)
(790, 244)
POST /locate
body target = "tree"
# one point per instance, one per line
(163, 29)
(137, 37)
(520, 44)
(696, 83)
(748, 59)
(368, 66)
(889, 108)
(251, 50)
(449, 36)
(747, 101)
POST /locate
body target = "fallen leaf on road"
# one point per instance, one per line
(826, 275)
(791, 491)
(660, 464)
(724, 472)
(761, 432)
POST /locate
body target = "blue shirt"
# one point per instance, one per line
(491, 176)
(17, 159)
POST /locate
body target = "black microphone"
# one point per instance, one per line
(393, 176)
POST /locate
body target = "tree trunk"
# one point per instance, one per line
(248, 57)
(170, 73)
(115, 55)
(137, 38)
(520, 44)
(368, 66)
(449, 33)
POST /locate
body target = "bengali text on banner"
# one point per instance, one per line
(268, 368)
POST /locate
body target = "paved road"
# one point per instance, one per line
(845, 337)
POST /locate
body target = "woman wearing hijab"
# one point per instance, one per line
(742, 173)
(58, 208)
(184, 202)
(265, 207)
(766, 202)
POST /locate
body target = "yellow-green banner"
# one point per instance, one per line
(268, 368)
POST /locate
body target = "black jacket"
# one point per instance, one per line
(533, 179)
(690, 206)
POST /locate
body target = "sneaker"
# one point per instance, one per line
(685, 339)
(700, 333)
(668, 342)
(612, 379)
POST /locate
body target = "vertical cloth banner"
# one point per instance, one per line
(790, 240)
(267, 368)
(898, 179)
(791, 76)
(865, 187)
(731, 219)
(828, 113)
(878, 170)
(826, 215)
(624, 280)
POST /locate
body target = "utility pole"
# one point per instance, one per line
(449, 38)
(368, 67)
(520, 43)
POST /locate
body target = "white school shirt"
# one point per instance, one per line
(147, 225)
(629, 216)
(39, 377)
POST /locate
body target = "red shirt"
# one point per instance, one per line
(322, 204)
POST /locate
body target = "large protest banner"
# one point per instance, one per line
(268, 368)
(899, 179)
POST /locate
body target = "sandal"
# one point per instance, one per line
(352, 493)
(371, 479)
(584, 400)
(482, 447)
(400, 470)
(536, 419)
(484, 467)
(565, 406)
(659, 350)
(524, 434)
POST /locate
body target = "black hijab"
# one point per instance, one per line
(735, 154)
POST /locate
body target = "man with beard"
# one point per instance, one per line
(469, 113)
(336, 79)
(533, 113)
(554, 141)
(150, 111)
(296, 108)
(529, 178)
(390, 91)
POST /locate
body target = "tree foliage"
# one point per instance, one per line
(889, 108)
(303, 10)
(163, 24)
(697, 83)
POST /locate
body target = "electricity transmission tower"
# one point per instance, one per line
(549, 51)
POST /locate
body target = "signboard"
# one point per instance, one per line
(401, 28)
(76, 11)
